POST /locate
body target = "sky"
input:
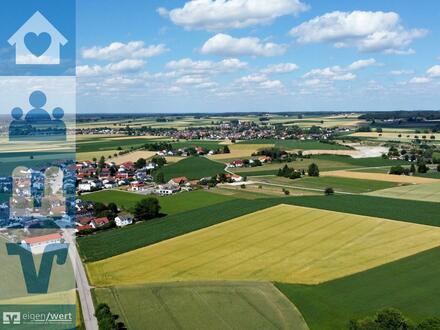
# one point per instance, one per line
(150, 56)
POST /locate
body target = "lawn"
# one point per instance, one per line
(95, 247)
(216, 305)
(297, 144)
(338, 184)
(410, 285)
(193, 168)
(285, 243)
(178, 203)
(429, 192)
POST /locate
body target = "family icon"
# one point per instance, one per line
(37, 124)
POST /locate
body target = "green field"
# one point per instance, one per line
(297, 144)
(284, 243)
(216, 305)
(324, 162)
(109, 143)
(95, 247)
(338, 184)
(178, 203)
(429, 192)
(411, 285)
(193, 168)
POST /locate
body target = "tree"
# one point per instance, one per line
(429, 324)
(387, 319)
(146, 209)
(286, 192)
(159, 178)
(101, 163)
(113, 207)
(422, 168)
(412, 169)
(140, 163)
(159, 161)
(438, 168)
(329, 191)
(313, 170)
(226, 150)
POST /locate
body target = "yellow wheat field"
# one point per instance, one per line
(284, 243)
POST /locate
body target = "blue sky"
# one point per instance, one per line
(257, 55)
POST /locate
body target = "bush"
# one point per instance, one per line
(329, 191)
(397, 170)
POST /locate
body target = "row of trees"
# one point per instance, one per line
(291, 173)
(106, 319)
(392, 319)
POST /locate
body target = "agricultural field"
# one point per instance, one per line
(285, 243)
(403, 136)
(169, 204)
(347, 185)
(193, 168)
(429, 192)
(239, 151)
(298, 144)
(404, 179)
(95, 247)
(410, 285)
(202, 305)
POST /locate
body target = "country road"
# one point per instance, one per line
(83, 287)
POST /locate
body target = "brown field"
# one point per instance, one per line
(133, 156)
(239, 151)
(379, 177)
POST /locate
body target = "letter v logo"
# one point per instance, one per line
(38, 282)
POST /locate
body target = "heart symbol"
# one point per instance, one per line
(37, 44)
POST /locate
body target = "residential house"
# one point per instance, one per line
(123, 220)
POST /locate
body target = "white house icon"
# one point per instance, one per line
(37, 42)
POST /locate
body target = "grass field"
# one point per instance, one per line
(410, 285)
(324, 162)
(123, 240)
(193, 168)
(379, 177)
(429, 192)
(338, 184)
(216, 305)
(297, 144)
(284, 243)
(170, 204)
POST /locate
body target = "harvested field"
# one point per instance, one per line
(429, 192)
(379, 177)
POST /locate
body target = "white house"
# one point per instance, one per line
(37, 41)
(122, 221)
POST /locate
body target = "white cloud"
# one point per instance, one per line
(118, 50)
(217, 15)
(401, 72)
(434, 71)
(367, 31)
(254, 78)
(338, 73)
(225, 45)
(280, 68)
(89, 70)
(361, 64)
(124, 66)
(272, 84)
(420, 80)
(188, 65)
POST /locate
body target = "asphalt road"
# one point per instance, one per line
(82, 284)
